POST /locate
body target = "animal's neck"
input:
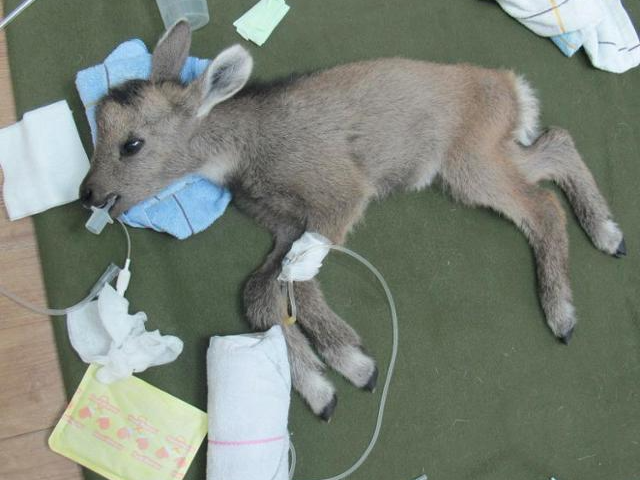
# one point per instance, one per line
(227, 139)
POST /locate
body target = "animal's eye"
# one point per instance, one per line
(131, 147)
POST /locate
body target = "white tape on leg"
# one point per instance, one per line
(305, 258)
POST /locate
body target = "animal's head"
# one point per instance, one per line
(146, 127)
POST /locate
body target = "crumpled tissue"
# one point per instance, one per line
(104, 333)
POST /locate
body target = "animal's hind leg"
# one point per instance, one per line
(497, 184)
(336, 341)
(554, 157)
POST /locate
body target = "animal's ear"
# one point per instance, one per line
(171, 52)
(224, 77)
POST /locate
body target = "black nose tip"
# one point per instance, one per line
(85, 195)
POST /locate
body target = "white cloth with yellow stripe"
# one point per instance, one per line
(602, 27)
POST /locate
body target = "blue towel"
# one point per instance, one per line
(184, 208)
(188, 205)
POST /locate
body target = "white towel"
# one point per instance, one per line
(43, 161)
(248, 407)
(602, 27)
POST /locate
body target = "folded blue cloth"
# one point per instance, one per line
(185, 207)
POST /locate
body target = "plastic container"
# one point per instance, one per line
(195, 11)
(100, 217)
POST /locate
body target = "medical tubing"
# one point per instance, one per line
(126, 234)
(12, 15)
(294, 458)
(390, 369)
(109, 274)
(293, 314)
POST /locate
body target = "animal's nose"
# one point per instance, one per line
(91, 195)
(85, 195)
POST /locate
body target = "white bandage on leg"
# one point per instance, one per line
(304, 260)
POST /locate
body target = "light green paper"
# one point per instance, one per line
(258, 23)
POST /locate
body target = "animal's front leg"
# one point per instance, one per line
(333, 338)
(336, 341)
(334, 218)
(266, 306)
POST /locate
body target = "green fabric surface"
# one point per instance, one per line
(483, 390)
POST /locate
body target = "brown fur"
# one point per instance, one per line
(311, 153)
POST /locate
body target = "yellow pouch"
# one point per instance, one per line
(129, 430)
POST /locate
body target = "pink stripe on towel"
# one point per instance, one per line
(247, 442)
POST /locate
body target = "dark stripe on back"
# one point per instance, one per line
(259, 88)
(127, 93)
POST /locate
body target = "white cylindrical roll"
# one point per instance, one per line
(248, 406)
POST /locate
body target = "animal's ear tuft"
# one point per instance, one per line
(171, 52)
(224, 77)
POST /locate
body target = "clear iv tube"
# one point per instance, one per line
(126, 234)
(17, 11)
(292, 301)
(109, 274)
(392, 363)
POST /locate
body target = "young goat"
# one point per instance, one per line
(310, 154)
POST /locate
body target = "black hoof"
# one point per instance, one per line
(566, 338)
(373, 381)
(621, 251)
(327, 412)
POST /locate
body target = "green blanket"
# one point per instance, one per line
(483, 390)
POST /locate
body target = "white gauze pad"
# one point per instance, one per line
(42, 160)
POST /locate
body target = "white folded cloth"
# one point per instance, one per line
(42, 160)
(104, 333)
(602, 27)
(249, 392)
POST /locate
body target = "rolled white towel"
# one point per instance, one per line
(248, 406)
